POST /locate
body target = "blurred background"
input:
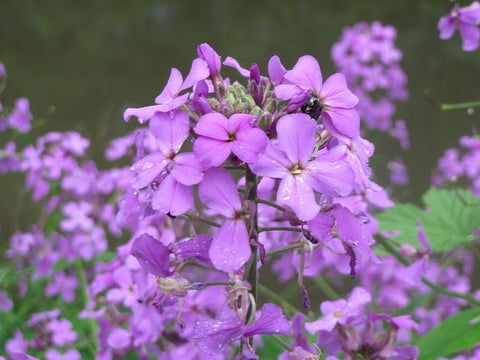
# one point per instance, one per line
(81, 63)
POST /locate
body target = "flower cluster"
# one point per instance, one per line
(458, 165)
(466, 19)
(367, 56)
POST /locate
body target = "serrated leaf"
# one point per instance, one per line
(453, 335)
(451, 218)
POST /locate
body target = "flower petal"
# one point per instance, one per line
(213, 125)
(211, 152)
(276, 70)
(152, 255)
(249, 144)
(296, 193)
(212, 335)
(230, 247)
(296, 135)
(170, 129)
(172, 88)
(218, 192)
(195, 248)
(342, 122)
(335, 93)
(306, 74)
(272, 163)
(172, 197)
(148, 168)
(271, 321)
(199, 71)
(187, 170)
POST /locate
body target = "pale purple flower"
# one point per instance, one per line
(340, 311)
(54, 354)
(77, 216)
(171, 97)
(172, 174)
(119, 339)
(212, 335)
(62, 285)
(467, 20)
(3, 71)
(398, 172)
(152, 255)
(220, 136)
(62, 332)
(290, 160)
(230, 247)
(5, 303)
(208, 54)
(21, 116)
(17, 344)
(332, 100)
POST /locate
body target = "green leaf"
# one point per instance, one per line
(453, 335)
(451, 218)
(270, 349)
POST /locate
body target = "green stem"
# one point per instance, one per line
(282, 343)
(92, 325)
(437, 288)
(284, 249)
(326, 288)
(252, 226)
(281, 301)
(270, 203)
(279, 228)
(465, 105)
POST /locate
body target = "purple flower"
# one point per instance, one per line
(289, 160)
(63, 285)
(212, 335)
(170, 97)
(220, 136)
(21, 116)
(340, 311)
(77, 216)
(5, 303)
(230, 246)
(62, 333)
(170, 173)
(3, 71)
(54, 354)
(466, 19)
(332, 100)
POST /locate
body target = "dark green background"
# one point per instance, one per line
(81, 63)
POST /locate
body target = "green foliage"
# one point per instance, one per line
(271, 349)
(450, 219)
(453, 335)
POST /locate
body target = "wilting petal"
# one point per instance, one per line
(151, 254)
(148, 168)
(230, 247)
(272, 163)
(143, 114)
(211, 152)
(296, 193)
(342, 122)
(271, 321)
(212, 336)
(276, 70)
(172, 197)
(229, 61)
(306, 74)
(296, 135)
(187, 169)
(321, 226)
(172, 88)
(213, 60)
(170, 129)
(199, 71)
(335, 93)
(219, 192)
(196, 247)
(249, 144)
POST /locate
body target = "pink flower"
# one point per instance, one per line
(466, 19)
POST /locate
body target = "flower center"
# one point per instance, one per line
(296, 169)
(338, 314)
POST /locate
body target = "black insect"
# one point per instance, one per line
(312, 107)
